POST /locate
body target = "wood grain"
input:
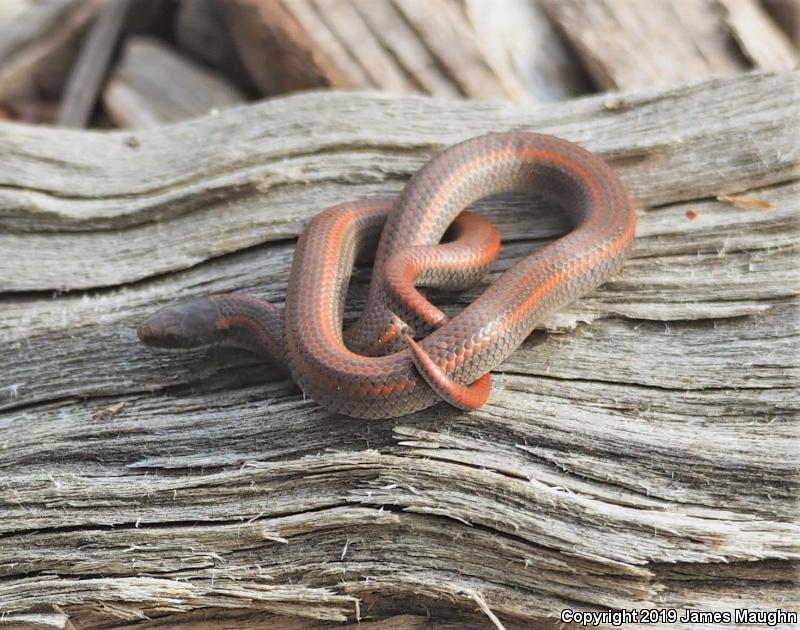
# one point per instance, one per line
(397, 45)
(91, 67)
(38, 42)
(261, 173)
(626, 43)
(639, 449)
(518, 35)
(154, 85)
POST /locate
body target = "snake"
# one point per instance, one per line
(404, 354)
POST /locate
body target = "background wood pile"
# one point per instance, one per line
(639, 451)
(150, 62)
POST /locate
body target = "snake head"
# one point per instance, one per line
(189, 325)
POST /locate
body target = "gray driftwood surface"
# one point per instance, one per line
(640, 450)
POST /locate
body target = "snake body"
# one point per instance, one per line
(450, 359)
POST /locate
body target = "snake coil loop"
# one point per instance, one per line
(376, 369)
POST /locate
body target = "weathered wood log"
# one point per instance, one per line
(201, 31)
(38, 41)
(643, 455)
(759, 38)
(89, 73)
(396, 45)
(154, 85)
(787, 15)
(625, 43)
(128, 181)
(517, 34)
